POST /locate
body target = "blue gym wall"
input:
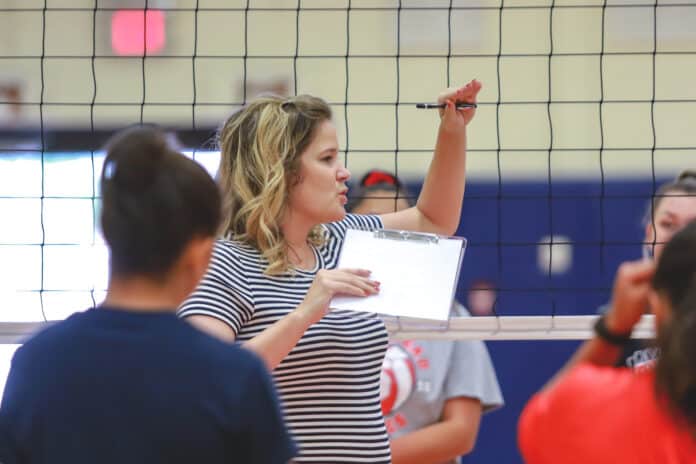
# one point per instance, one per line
(503, 225)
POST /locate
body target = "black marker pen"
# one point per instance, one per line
(431, 106)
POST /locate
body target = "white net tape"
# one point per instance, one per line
(457, 328)
(507, 328)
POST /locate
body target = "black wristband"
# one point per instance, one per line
(601, 330)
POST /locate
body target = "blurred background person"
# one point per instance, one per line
(672, 207)
(433, 392)
(481, 297)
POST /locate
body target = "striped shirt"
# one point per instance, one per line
(328, 383)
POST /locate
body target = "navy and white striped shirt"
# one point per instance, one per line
(328, 383)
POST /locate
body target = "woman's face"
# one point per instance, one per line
(381, 202)
(319, 195)
(673, 212)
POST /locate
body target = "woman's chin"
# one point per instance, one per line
(338, 216)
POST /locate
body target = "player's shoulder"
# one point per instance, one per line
(57, 332)
(594, 385)
(48, 344)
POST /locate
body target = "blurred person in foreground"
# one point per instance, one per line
(127, 381)
(593, 412)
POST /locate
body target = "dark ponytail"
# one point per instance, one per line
(675, 279)
(154, 201)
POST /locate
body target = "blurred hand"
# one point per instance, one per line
(329, 283)
(452, 118)
(630, 295)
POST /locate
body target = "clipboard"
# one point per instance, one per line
(418, 272)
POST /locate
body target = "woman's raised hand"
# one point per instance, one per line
(457, 119)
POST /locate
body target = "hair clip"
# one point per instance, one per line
(380, 177)
(109, 170)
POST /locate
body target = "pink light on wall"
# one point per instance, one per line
(132, 30)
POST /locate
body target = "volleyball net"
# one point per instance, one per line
(587, 107)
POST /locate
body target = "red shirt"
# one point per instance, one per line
(603, 415)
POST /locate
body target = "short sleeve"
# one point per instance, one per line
(471, 372)
(268, 440)
(223, 292)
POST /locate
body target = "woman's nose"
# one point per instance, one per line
(343, 173)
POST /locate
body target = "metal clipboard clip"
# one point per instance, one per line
(418, 270)
(405, 235)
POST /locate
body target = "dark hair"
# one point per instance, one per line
(675, 278)
(684, 183)
(378, 181)
(154, 202)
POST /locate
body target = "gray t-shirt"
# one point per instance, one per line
(418, 376)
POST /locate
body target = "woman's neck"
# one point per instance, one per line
(300, 252)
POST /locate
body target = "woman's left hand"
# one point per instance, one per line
(453, 118)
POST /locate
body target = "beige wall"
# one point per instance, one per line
(524, 78)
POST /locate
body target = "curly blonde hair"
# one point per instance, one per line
(260, 148)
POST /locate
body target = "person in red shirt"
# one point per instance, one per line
(592, 412)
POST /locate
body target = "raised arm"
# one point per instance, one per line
(440, 202)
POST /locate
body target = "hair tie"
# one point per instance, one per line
(380, 177)
(109, 170)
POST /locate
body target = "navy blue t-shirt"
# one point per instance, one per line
(112, 386)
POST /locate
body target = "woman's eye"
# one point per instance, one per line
(666, 225)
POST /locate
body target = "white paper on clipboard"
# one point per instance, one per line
(418, 272)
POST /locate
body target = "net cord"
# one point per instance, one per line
(456, 328)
